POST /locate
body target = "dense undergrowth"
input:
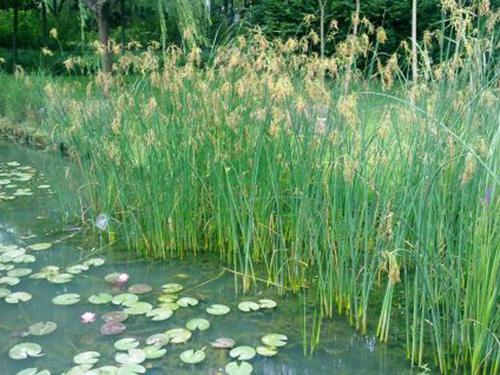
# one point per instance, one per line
(279, 161)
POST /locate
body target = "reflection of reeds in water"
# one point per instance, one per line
(264, 158)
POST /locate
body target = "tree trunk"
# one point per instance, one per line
(45, 28)
(123, 36)
(103, 27)
(322, 27)
(356, 17)
(414, 41)
(15, 27)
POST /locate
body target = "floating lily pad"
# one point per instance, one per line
(115, 316)
(187, 301)
(126, 344)
(112, 277)
(66, 299)
(198, 324)
(159, 314)
(125, 299)
(94, 262)
(243, 353)
(172, 288)
(60, 278)
(112, 328)
(130, 369)
(192, 357)
(223, 343)
(87, 358)
(170, 306)
(40, 246)
(138, 308)
(25, 350)
(178, 335)
(4, 292)
(266, 351)
(18, 297)
(42, 328)
(8, 280)
(234, 368)
(140, 289)
(274, 339)
(19, 272)
(267, 303)
(154, 352)
(79, 370)
(133, 356)
(167, 298)
(218, 309)
(77, 269)
(103, 370)
(100, 299)
(248, 306)
(33, 371)
(158, 339)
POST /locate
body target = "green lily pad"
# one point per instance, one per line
(33, 371)
(130, 369)
(178, 335)
(4, 292)
(154, 352)
(243, 353)
(167, 298)
(187, 301)
(100, 299)
(248, 306)
(133, 356)
(138, 308)
(243, 368)
(66, 299)
(218, 309)
(25, 350)
(40, 246)
(79, 370)
(60, 278)
(42, 328)
(192, 357)
(94, 262)
(17, 297)
(19, 272)
(158, 339)
(103, 370)
(198, 324)
(170, 305)
(8, 280)
(172, 288)
(126, 344)
(266, 351)
(267, 303)
(159, 314)
(77, 269)
(87, 358)
(274, 339)
(125, 299)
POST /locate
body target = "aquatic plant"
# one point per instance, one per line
(377, 198)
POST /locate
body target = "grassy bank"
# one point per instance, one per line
(291, 165)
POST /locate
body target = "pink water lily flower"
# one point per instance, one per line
(88, 317)
(122, 278)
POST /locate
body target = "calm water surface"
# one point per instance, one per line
(38, 218)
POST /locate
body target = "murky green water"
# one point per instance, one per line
(31, 219)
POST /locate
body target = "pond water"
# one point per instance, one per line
(31, 214)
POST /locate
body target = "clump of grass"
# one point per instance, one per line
(266, 159)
